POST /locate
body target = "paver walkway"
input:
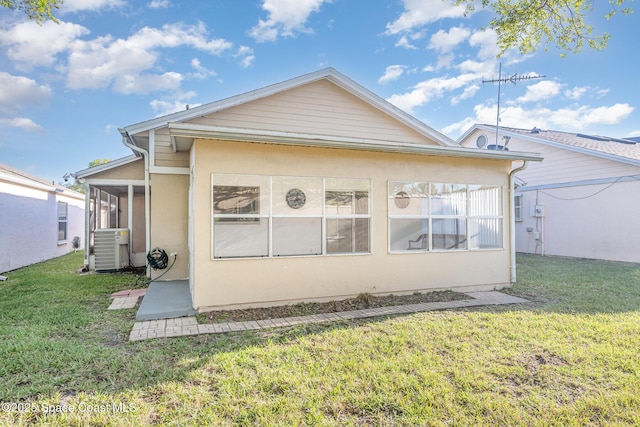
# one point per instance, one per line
(184, 326)
(126, 299)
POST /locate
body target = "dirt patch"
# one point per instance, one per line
(361, 302)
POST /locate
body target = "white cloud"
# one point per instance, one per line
(543, 90)
(178, 102)
(159, 4)
(125, 63)
(468, 92)
(576, 92)
(391, 73)
(423, 92)
(573, 118)
(444, 41)
(480, 68)
(286, 17)
(30, 44)
(421, 12)
(21, 123)
(201, 71)
(405, 43)
(18, 91)
(145, 83)
(128, 65)
(80, 5)
(487, 41)
(245, 53)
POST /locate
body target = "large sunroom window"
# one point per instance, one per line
(297, 216)
(485, 217)
(262, 216)
(240, 216)
(408, 205)
(347, 215)
(444, 216)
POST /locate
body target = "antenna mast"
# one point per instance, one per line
(511, 79)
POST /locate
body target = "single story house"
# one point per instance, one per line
(40, 219)
(311, 189)
(581, 201)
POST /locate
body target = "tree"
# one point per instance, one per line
(36, 10)
(525, 24)
(76, 185)
(98, 162)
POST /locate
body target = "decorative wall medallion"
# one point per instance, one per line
(296, 198)
(402, 199)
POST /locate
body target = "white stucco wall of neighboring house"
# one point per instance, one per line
(29, 229)
(587, 221)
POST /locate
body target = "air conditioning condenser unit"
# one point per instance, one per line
(111, 249)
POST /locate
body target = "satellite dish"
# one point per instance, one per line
(481, 142)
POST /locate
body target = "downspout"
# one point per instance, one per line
(128, 142)
(87, 224)
(512, 218)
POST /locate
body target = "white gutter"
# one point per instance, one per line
(128, 142)
(512, 219)
(189, 130)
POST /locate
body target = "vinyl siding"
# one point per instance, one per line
(163, 153)
(319, 108)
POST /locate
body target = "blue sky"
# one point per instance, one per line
(66, 88)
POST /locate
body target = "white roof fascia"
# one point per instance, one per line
(533, 138)
(189, 130)
(328, 73)
(26, 182)
(107, 166)
(29, 183)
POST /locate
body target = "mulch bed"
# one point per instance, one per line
(363, 301)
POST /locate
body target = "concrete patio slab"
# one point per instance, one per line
(166, 300)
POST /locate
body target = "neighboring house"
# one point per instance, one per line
(309, 190)
(40, 219)
(581, 201)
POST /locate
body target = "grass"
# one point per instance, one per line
(572, 357)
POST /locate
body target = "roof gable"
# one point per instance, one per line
(337, 91)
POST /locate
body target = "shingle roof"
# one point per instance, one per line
(602, 144)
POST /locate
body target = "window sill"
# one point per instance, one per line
(62, 242)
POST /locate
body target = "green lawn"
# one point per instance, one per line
(572, 357)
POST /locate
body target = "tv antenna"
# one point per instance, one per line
(510, 79)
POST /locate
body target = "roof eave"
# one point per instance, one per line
(187, 130)
(106, 166)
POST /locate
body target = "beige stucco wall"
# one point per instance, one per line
(130, 171)
(169, 220)
(138, 231)
(253, 282)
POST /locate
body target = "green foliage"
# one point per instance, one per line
(98, 162)
(37, 10)
(526, 24)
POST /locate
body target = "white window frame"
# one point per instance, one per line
(517, 208)
(63, 219)
(425, 245)
(469, 217)
(353, 216)
(272, 211)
